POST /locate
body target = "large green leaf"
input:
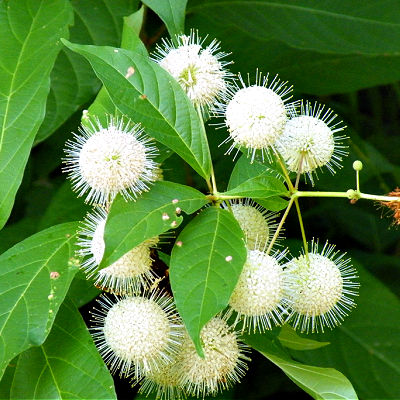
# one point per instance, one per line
(67, 365)
(30, 32)
(366, 347)
(130, 223)
(320, 383)
(172, 12)
(310, 71)
(356, 26)
(73, 82)
(34, 279)
(146, 93)
(206, 263)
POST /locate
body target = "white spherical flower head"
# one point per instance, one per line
(129, 274)
(255, 115)
(318, 289)
(257, 298)
(308, 141)
(164, 383)
(257, 224)
(137, 334)
(200, 71)
(223, 363)
(104, 161)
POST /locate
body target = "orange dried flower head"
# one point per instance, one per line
(394, 205)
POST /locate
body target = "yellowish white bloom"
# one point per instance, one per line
(199, 70)
(137, 335)
(258, 295)
(104, 161)
(223, 363)
(320, 288)
(309, 142)
(255, 115)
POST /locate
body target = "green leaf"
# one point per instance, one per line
(290, 339)
(151, 96)
(103, 106)
(366, 346)
(172, 12)
(320, 383)
(357, 26)
(261, 186)
(131, 31)
(66, 366)
(7, 379)
(311, 71)
(41, 266)
(244, 170)
(202, 279)
(130, 223)
(73, 83)
(30, 32)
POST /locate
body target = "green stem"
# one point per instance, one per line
(350, 194)
(303, 232)
(212, 186)
(358, 180)
(282, 221)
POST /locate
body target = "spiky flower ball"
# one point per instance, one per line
(199, 70)
(257, 224)
(137, 334)
(164, 383)
(129, 274)
(320, 288)
(309, 142)
(103, 161)
(255, 115)
(223, 363)
(258, 295)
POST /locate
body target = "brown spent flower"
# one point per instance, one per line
(394, 205)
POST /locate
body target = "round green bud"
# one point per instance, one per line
(357, 165)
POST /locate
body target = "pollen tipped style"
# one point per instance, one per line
(320, 289)
(257, 298)
(199, 69)
(255, 114)
(104, 161)
(309, 142)
(137, 335)
(130, 274)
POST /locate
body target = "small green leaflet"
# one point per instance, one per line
(290, 339)
(206, 263)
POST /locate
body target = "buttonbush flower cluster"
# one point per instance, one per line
(138, 327)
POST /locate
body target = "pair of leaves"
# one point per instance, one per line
(30, 32)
